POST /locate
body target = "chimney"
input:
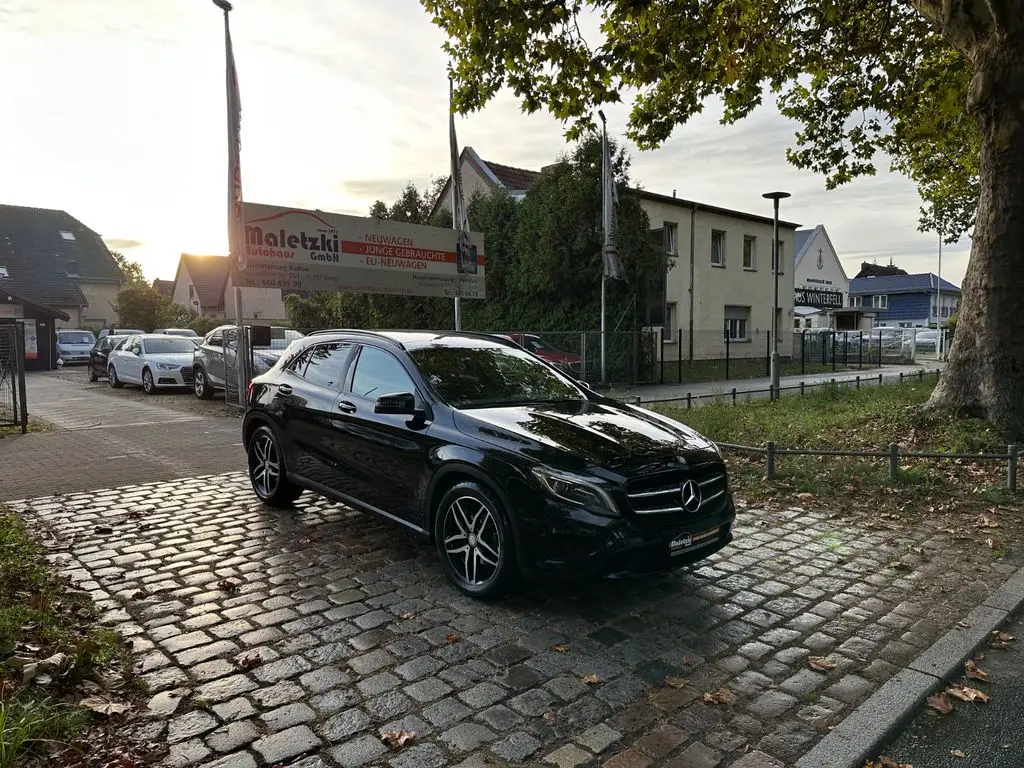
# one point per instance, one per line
(673, 193)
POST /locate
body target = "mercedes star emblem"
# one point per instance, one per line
(691, 495)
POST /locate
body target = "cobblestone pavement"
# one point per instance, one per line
(299, 637)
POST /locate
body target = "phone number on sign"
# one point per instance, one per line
(278, 283)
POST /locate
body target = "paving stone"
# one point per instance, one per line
(483, 695)
(661, 740)
(185, 753)
(629, 758)
(501, 718)
(323, 679)
(235, 709)
(359, 751)
(416, 669)
(389, 705)
(697, 755)
(344, 724)
(428, 690)
(532, 703)
(516, 747)
(287, 716)
(332, 701)
(598, 738)
(803, 682)
(236, 760)
(465, 737)
(850, 689)
(371, 662)
(419, 756)
(568, 756)
(757, 759)
(232, 736)
(290, 666)
(286, 744)
(446, 712)
(378, 684)
(190, 724)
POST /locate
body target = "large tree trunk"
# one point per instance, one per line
(985, 374)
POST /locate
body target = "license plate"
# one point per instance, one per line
(681, 542)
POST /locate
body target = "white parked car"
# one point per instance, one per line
(152, 361)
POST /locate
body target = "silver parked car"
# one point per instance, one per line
(74, 346)
(215, 357)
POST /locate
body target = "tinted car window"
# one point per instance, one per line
(465, 377)
(379, 373)
(168, 345)
(216, 340)
(74, 337)
(326, 365)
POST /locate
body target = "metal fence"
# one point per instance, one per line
(13, 403)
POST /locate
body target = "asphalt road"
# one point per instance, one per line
(989, 735)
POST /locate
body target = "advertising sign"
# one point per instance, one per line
(294, 249)
(31, 346)
(819, 297)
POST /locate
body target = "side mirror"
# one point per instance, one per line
(401, 404)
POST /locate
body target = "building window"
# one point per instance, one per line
(671, 238)
(945, 311)
(749, 252)
(736, 321)
(191, 291)
(856, 301)
(717, 248)
(67, 235)
(4, 272)
(669, 332)
(879, 302)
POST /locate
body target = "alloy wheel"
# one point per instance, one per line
(264, 465)
(147, 382)
(472, 542)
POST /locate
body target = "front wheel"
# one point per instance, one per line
(112, 380)
(474, 541)
(202, 385)
(266, 470)
(93, 378)
(148, 385)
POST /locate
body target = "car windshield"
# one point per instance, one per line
(168, 345)
(75, 337)
(474, 377)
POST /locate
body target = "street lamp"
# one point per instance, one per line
(776, 264)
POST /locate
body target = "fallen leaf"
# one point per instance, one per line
(957, 753)
(805, 496)
(885, 761)
(407, 615)
(227, 586)
(137, 595)
(899, 565)
(104, 706)
(397, 739)
(963, 625)
(561, 647)
(719, 696)
(550, 717)
(249, 662)
(451, 637)
(1000, 640)
(940, 703)
(688, 661)
(676, 681)
(965, 693)
(974, 672)
(820, 663)
(591, 679)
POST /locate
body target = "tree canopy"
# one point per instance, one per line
(859, 76)
(131, 271)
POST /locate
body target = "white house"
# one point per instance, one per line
(822, 287)
(203, 283)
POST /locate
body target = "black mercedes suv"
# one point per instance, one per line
(505, 463)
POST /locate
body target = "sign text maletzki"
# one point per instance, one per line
(294, 249)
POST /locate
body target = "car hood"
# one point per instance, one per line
(583, 434)
(171, 358)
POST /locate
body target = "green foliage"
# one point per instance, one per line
(131, 271)
(861, 77)
(139, 305)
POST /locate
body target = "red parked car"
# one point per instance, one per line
(567, 361)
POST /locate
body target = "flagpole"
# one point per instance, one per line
(604, 226)
(234, 198)
(459, 219)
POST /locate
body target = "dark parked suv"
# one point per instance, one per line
(505, 463)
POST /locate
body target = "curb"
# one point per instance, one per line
(875, 722)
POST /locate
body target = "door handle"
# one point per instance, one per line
(346, 407)
(284, 389)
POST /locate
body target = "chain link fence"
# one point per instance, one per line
(13, 403)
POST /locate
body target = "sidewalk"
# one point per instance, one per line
(654, 393)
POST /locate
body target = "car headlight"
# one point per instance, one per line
(576, 490)
(167, 367)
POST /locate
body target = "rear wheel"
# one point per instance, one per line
(474, 541)
(267, 472)
(112, 380)
(202, 385)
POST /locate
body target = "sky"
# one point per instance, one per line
(114, 111)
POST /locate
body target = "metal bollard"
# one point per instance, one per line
(894, 461)
(1011, 468)
(858, 382)
(734, 395)
(769, 460)
(689, 401)
(801, 389)
(879, 379)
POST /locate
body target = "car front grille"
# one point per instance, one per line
(660, 497)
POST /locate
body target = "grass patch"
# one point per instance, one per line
(51, 652)
(34, 425)
(841, 418)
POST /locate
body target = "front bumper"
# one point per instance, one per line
(71, 358)
(575, 542)
(181, 377)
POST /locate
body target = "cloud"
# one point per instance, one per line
(387, 190)
(122, 243)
